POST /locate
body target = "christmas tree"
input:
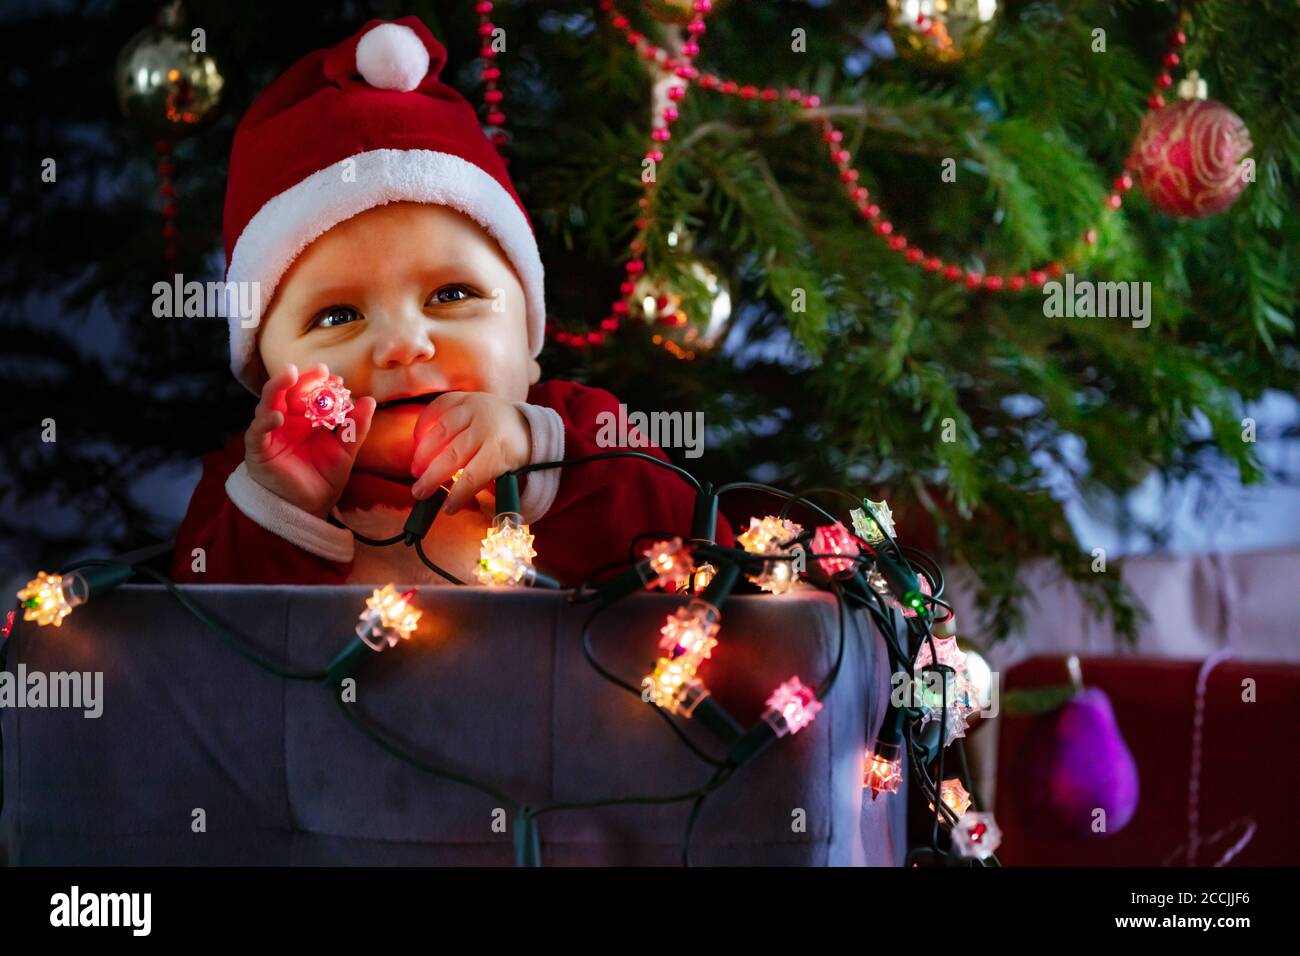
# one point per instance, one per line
(844, 247)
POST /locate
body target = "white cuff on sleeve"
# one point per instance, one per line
(266, 508)
(548, 445)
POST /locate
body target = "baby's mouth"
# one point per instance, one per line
(425, 399)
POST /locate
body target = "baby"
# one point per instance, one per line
(391, 252)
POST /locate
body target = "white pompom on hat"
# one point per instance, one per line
(392, 57)
(346, 129)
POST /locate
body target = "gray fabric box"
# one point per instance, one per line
(494, 685)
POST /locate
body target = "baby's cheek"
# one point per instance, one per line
(492, 352)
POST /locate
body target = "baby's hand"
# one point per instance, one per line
(305, 466)
(477, 431)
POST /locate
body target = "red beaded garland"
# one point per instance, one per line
(491, 75)
(683, 68)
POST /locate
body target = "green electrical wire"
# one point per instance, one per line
(234, 641)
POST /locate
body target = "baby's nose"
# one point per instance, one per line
(403, 343)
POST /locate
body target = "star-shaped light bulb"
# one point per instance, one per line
(976, 835)
(506, 554)
(328, 403)
(835, 539)
(703, 575)
(771, 535)
(881, 772)
(671, 564)
(954, 717)
(673, 685)
(869, 528)
(46, 600)
(955, 724)
(388, 618)
(961, 695)
(691, 631)
(947, 650)
(954, 796)
(768, 535)
(791, 707)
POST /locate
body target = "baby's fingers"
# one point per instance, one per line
(436, 412)
(259, 432)
(482, 469)
(273, 392)
(437, 433)
(454, 455)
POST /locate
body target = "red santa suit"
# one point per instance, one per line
(583, 518)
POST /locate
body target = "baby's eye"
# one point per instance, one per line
(336, 315)
(451, 293)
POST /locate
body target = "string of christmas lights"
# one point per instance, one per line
(865, 568)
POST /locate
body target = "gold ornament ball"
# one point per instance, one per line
(937, 34)
(675, 11)
(163, 84)
(664, 312)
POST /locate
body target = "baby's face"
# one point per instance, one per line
(404, 299)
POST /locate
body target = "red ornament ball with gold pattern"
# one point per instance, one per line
(1189, 157)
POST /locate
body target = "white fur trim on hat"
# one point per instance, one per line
(287, 224)
(392, 57)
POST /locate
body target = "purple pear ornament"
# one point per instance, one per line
(1076, 777)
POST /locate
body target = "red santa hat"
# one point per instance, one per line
(350, 128)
